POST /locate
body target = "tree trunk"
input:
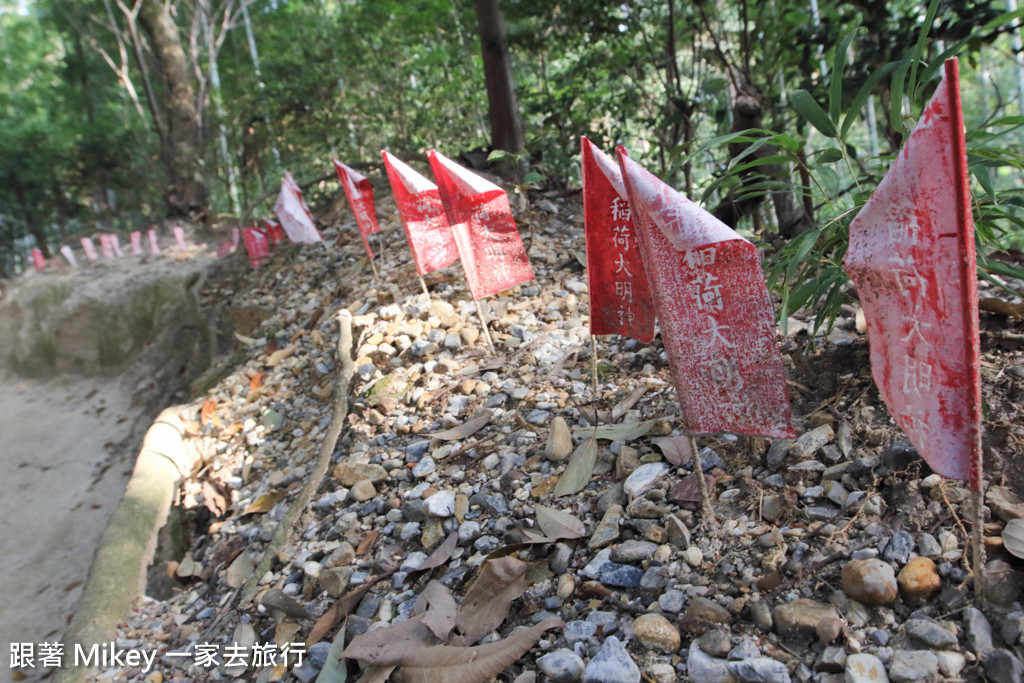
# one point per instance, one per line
(186, 194)
(503, 109)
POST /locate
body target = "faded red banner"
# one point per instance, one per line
(69, 255)
(620, 297)
(426, 226)
(293, 213)
(89, 248)
(360, 198)
(912, 259)
(115, 244)
(256, 246)
(136, 243)
(38, 260)
(106, 246)
(715, 314)
(154, 248)
(480, 217)
(179, 237)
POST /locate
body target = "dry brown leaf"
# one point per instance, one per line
(285, 632)
(558, 524)
(376, 674)
(437, 605)
(264, 503)
(579, 470)
(256, 382)
(627, 431)
(676, 449)
(239, 570)
(466, 429)
(442, 554)
(338, 611)
(213, 500)
(686, 490)
(367, 542)
(1000, 307)
(486, 604)
(473, 664)
(277, 356)
(391, 644)
(275, 600)
(335, 669)
(207, 412)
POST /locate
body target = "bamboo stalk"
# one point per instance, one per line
(593, 361)
(483, 322)
(702, 487)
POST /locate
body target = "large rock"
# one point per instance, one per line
(801, 617)
(559, 446)
(918, 580)
(701, 614)
(870, 581)
(351, 473)
(656, 633)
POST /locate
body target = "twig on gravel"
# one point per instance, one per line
(284, 528)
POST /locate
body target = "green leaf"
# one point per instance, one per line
(896, 95)
(835, 87)
(812, 111)
(922, 40)
(500, 155)
(532, 178)
(334, 670)
(981, 173)
(828, 156)
(861, 98)
(829, 180)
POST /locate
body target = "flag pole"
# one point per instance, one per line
(702, 487)
(593, 361)
(425, 292)
(373, 267)
(483, 323)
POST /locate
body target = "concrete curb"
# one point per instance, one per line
(118, 572)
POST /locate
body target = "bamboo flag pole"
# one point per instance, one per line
(593, 361)
(373, 267)
(483, 322)
(978, 543)
(423, 283)
(702, 487)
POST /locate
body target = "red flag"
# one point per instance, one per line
(256, 246)
(293, 213)
(115, 244)
(714, 311)
(620, 296)
(154, 248)
(137, 243)
(38, 260)
(106, 246)
(274, 232)
(426, 226)
(480, 217)
(912, 259)
(360, 197)
(179, 236)
(89, 248)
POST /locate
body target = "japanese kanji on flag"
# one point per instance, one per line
(426, 225)
(137, 243)
(69, 255)
(360, 198)
(715, 314)
(89, 248)
(485, 234)
(912, 259)
(293, 213)
(274, 232)
(38, 260)
(620, 297)
(256, 246)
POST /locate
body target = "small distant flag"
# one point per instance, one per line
(620, 297)
(490, 248)
(38, 260)
(136, 243)
(179, 236)
(274, 232)
(69, 255)
(293, 213)
(236, 236)
(89, 248)
(426, 226)
(360, 198)
(256, 246)
(154, 248)
(106, 246)
(115, 244)
(715, 314)
(912, 259)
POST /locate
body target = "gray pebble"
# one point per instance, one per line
(620, 575)
(561, 666)
(898, 548)
(1002, 666)
(760, 670)
(703, 668)
(579, 632)
(979, 631)
(927, 546)
(930, 632)
(672, 601)
(913, 665)
(633, 551)
(612, 664)
(745, 649)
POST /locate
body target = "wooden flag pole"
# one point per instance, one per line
(425, 292)
(593, 362)
(483, 323)
(702, 487)
(373, 267)
(978, 543)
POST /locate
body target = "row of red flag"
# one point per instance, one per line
(110, 247)
(651, 253)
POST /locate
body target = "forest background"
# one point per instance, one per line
(780, 117)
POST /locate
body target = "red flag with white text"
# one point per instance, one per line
(490, 248)
(274, 232)
(912, 259)
(426, 225)
(359, 193)
(714, 311)
(293, 213)
(620, 297)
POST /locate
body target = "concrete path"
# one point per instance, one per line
(66, 452)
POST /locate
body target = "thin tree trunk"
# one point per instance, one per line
(186, 194)
(218, 111)
(259, 81)
(503, 109)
